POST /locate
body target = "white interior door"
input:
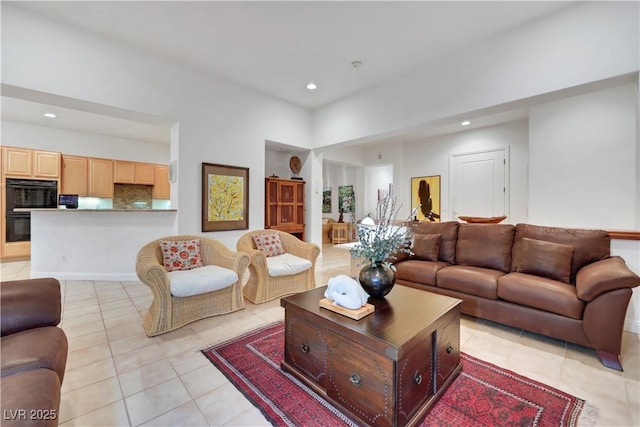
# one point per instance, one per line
(479, 185)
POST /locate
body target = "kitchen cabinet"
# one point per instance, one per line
(37, 164)
(284, 210)
(46, 164)
(161, 185)
(144, 173)
(100, 178)
(133, 173)
(75, 175)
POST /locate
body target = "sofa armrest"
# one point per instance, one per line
(28, 304)
(603, 276)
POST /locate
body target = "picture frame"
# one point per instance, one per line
(346, 199)
(326, 201)
(425, 192)
(225, 197)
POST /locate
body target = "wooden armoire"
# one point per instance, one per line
(284, 206)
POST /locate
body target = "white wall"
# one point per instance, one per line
(575, 46)
(82, 144)
(583, 161)
(431, 157)
(218, 121)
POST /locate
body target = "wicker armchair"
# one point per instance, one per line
(261, 287)
(168, 312)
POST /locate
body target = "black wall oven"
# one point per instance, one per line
(26, 194)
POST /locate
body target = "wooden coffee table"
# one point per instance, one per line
(385, 369)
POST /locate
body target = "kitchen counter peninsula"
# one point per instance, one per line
(94, 244)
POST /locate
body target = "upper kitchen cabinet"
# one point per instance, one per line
(23, 162)
(75, 175)
(133, 173)
(161, 186)
(100, 178)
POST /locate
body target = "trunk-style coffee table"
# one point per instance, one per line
(385, 369)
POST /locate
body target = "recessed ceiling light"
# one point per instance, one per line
(312, 86)
(50, 115)
(466, 123)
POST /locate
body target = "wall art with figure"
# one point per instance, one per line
(346, 199)
(326, 200)
(425, 192)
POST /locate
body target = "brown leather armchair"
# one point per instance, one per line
(34, 352)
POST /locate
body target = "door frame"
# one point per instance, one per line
(507, 174)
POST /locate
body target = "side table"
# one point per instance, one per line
(341, 232)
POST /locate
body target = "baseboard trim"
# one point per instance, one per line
(107, 277)
(632, 326)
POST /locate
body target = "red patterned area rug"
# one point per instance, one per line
(482, 395)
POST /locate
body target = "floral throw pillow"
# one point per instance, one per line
(269, 243)
(181, 254)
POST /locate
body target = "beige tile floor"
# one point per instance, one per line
(117, 376)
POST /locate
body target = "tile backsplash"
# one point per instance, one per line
(132, 196)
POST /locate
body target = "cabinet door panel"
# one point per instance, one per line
(144, 173)
(75, 179)
(16, 161)
(46, 164)
(161, 185)
(124, 172)
(100, 178)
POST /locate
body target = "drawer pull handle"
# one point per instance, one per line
(304, 348)
(355, 380)
(418, 377)
(449, 348)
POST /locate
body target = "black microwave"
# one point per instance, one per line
(70, 201)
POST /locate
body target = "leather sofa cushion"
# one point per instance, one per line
(45, 347)
(426, 246)
(449, 234)
(588, 245)
(546, 259)
(485, 245)
(415, 271)
(36, 390)
(541, 293)
(30, 303)
(478, 281)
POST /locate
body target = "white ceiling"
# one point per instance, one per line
(277, 47)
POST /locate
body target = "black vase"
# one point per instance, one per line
(377, 280)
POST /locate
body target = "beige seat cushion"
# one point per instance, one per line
(286, 265)
(186, 283)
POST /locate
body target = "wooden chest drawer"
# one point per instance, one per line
(448, 348)
(306, 349)
(415, 379)
(360, 380)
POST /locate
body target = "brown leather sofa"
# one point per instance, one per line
(34, 352)
(558, 282)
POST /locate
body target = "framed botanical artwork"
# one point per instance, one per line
(425, 192)
(225, 197)
(346, 199)
(326, 200)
